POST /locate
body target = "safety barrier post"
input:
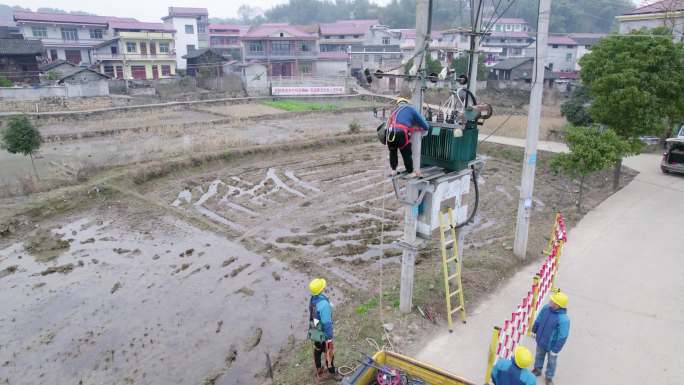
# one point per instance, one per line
(552, 238)
(559, 250)
(533, 309)
(492, 354)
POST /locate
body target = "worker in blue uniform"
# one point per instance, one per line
(514, 371)
(320, 313)
(404, 122)
(551, 330)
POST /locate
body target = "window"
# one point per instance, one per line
(366, 58)
(280, 48)
(131, 47)
(163, 47)
(39, 31)
(357, 36)
(587, 47)
(568, 57)
(69, 34)
(305, 68)
(385, 41)
(109, 71)
(73, 56)
(119, 72)
(189, 29)
(53, 54)
(166, 70)
(305, 47)
(96, 34)
(554, 46)
(114, 49)
(201, 28)
(190, 47)
(256, 47)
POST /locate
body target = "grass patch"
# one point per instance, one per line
(299, 106)
(363, 308)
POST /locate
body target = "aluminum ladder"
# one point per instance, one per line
(451, 265)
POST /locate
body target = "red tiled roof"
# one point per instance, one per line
(333, 55)
(561, 40)
(266, 30)
(66, 18)
(186, 11)
(511, 20)
(657, 7)
(160, 27)
(347, 27)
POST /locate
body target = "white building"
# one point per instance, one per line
(666, 13)
(192, 30)
(65, 36)
(584, 43)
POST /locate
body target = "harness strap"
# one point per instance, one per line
(393, 126)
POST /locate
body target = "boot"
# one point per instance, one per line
(536, 372)
(549, 381)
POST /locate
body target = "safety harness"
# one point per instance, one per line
(394, 126)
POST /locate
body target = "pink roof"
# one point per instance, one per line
(186, 11)
(407, 33)
(659, 6)
(333, 55)
(511, 20)
(266, 30)
(561, 40)
(347, 27)
(160, 27)
(66, 18)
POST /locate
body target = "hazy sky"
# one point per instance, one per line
(150, 10)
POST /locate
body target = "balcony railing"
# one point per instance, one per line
(281, 55)
(134, 56)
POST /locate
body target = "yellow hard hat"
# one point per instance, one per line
(522, 356)
(398, 101)
(317, 285)
(559, 299)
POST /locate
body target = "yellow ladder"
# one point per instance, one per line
(451, 265)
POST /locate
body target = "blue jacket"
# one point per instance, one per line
(409, 116)
(506, 372)
(551, 328)
(320, 309)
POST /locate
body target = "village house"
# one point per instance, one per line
(286, 50)
(380, 50)
(19, 60)
(226, 39)
(666, 13)
(508, 38)
(65, 36)
(192, 30)
(516, 73)
(342, 34)
(137, 50)
(205, 60)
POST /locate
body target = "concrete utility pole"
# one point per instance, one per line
(475, 38)
(533, 118)
(408, 258)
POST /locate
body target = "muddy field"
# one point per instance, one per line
(193, 277)
(80, 146)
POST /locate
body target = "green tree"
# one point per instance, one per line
(22, 137)
(591, 150)
(433, 66)
(4, 82)
(637, 86)
(460, 65)
(575, 109)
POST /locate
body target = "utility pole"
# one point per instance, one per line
(475, 38)
(408, 258)
(533, 118)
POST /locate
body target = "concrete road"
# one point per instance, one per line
(623, 269)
